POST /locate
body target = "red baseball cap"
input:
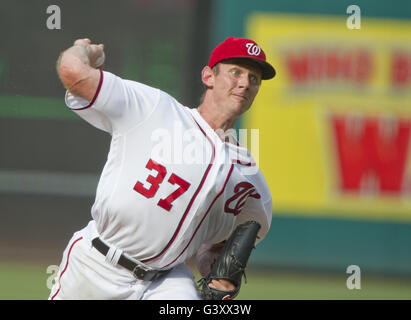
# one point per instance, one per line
(233, 47)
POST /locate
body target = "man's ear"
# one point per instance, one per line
(207, 77)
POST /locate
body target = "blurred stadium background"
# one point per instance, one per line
(334, 133)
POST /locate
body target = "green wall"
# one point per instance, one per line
(230, 15)
(333, 244)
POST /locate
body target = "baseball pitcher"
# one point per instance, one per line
(176, 185)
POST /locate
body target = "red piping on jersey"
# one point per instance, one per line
(208, 210)
(65, 268)
(249, 164)
(96, 94)
(191, 201)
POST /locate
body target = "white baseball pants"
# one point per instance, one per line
(84, 274)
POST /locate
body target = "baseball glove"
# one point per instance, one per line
(231, 262)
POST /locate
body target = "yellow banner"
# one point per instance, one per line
(335, 123)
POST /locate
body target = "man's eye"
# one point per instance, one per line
(235, 72)
(253, 79)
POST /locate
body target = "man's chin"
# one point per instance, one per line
(239, 109)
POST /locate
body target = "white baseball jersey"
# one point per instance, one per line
(169, 183)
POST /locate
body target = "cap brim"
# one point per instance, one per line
(268, 71)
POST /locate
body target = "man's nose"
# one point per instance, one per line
(244, 81)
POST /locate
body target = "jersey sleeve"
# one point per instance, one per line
(259, 210)
(117, 105)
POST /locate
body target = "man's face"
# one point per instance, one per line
(236, 83)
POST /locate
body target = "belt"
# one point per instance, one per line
(140, 272)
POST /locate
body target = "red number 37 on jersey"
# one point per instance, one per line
(155, 182)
